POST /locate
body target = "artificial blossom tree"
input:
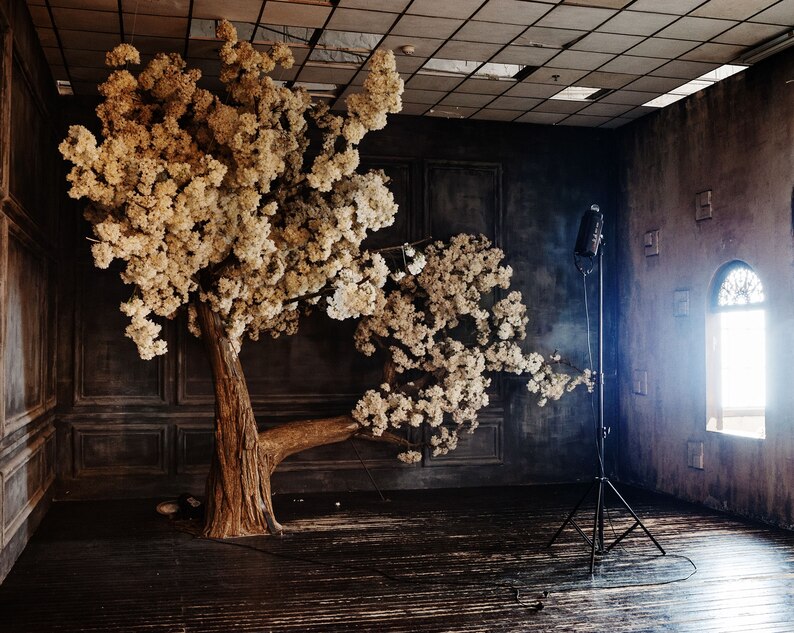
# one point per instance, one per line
(212, 206)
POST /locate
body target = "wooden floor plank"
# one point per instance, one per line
(449, 561)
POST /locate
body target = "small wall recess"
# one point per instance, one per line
(651, 243)
(640, 382)
(703, 205)
(681, 303)
(694, 455)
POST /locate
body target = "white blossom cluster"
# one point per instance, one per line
(444, 335)
(207, 198)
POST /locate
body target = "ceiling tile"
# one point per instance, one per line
(414, 108)
(570, 17)
(434, 82)
(423, 96)
(514, 103)
(606, 109)
(96, 75)
(326, 74)
(598, 79)
(781, 13)
(475, 31)
(525, 55)
(557, 76)
(85, 88)
(53, 56)
(662, 47)
(47, 37)
(749, 34)
(466, 99)
(451, 112)
(711, 52)
(658, 85)
(359, 21)
(615, 123)
(74, 57)
(697, 29)
(394, 6)
(425, 47)
(512, 11)
(579, 60)
(99, 5)
(580, 120)
(469, 51)
(234, 10)
(154, 45)
(637, 112)
(684, 70)
(494, 114)
(530, 89)
(607, 43)
(731, 9)
(91, 41)
(84, 20)
(559, 106)
(632, 65)
(41, 17)
(144, 25)
(636, 23)
(409, 64)
(548, 38)
(485, 86)
(544, 118)
(677, 7)
(607, 4)
(458, 9)
(422, 26)
(628, 97)
(175, 8)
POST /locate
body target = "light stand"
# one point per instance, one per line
(587, 247)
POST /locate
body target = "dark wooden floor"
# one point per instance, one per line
(423, 561)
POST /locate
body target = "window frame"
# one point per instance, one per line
(715, 418)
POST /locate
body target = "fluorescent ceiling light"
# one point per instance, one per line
(696, 85)
(663, 100)
(767, 49)
(64, 87)
(575, 93)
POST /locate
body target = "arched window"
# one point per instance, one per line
(736, 353)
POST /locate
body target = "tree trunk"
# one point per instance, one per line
(238, 487)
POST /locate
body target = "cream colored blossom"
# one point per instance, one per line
(442, 370)
(206, 198)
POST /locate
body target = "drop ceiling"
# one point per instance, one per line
(631, 50)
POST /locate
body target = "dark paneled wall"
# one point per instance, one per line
(736, 140)
(129, 427)
(30, 189)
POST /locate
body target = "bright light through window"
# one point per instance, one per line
(742, 345)
(736, 353)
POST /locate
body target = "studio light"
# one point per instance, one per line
(588, 252)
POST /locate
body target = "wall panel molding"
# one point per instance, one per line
(25, 480)
(6, 61)
(483, 447)
(120, 449)
(26, 338)
(107, 368)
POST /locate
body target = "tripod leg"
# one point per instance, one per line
(598, 516)
(570, 516)
(636, 518)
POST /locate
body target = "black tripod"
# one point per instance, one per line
(586, 247)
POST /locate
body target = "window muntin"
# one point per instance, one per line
(736, 370)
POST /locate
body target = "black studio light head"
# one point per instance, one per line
(589, 237)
